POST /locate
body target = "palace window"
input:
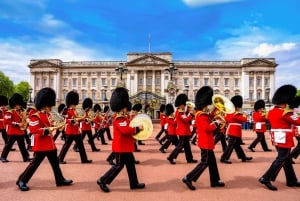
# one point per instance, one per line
(65, 82)
(226, 82)
(38, 82)
(236, 82)
(196, 82)
(93, 95)
(103, 81)
(113, 82)
(185, 81)
(206, 80)
(149, 81)
(83, 82)
(267, 82)
(44, 82)
(74, 82)
(258, 82)
(251, 95)
(251, 84)
(94, 82)
(83, 95)
(216, 81)
(157, 81)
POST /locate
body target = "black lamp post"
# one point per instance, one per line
(30, 92)
(105, 90)
(172, 69)
(121, 69)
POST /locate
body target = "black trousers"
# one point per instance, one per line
(122, 159)
(233, 143)
(4, 135)
(184, 143)
(107, 130)
(171, 139)
(162, 129)
(10, 142)
(260, 138)
(100, 134)
(35, 163)
(296, 151)
(91, 139)
(220, 136)
(208, 159)
(67, 144)
(282, 160)
(63, 134)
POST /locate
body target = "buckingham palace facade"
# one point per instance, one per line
(154, 78)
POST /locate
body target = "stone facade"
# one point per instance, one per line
(147, 76)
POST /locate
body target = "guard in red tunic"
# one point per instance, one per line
(123, 143)
(72, 129)
(234, 131)
(3, 109)
(15, 122)
(260, 127)
(42, 140)
(183, 117)
(98, 124)
(106, 125)
(62, 111)
(296, 151)
(282, 119)
(85, 125)
(205, 128)
(162, 118)
(170, 126)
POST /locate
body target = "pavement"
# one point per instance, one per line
(163, 180)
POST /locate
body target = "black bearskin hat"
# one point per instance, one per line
(169, 109)
(24, 105)
(284, 94)
(237, 101)
(260, 104)
(87, 103)
(3, 100)
(16, 99)
(106, 108)
(295, 103)
(181, 99)
(119, 99)
(45, 97)
(129, 107)
(137, 107)
(72, 98)
(203, 97)
(97, 108)
(61, 108)
(162, 108)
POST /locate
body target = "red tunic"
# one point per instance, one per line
(71, 129)
(282, 121)
(38, 122)
(205, 130)
(98, 121)
(123, 140)
(183, 123)
(259, 122)
(162, 118)
(2, 113)
(171, 121)
(86, 124)
(11, 118)
(234, 124)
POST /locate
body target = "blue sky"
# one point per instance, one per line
(204, 30)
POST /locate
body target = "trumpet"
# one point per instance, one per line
(24, 120)
(190, 107)
(80, 115)
(222, 106)
(57, 121)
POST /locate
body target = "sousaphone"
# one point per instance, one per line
(145, 120)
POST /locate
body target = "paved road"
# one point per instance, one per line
(163, 180)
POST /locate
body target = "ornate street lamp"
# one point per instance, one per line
(30, 92)
(121, 69)
(105, 90)
(172, 69)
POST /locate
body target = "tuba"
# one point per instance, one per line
(222, 106)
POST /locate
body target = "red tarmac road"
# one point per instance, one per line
(163, 180)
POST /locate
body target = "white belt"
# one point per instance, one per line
(234, 124)
(281, 130)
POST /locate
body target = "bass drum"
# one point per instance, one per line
(145, 120)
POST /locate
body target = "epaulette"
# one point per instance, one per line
(287, 110)
(171, 116)
(200, 113)
(120, 114)
(10, 111)
(36, 114)
(181, 110)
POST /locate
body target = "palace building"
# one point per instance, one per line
(155, 78)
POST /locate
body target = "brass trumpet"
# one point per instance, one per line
(57, 121)
(222, 106)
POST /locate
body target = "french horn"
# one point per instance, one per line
(145, 120)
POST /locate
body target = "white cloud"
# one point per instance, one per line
(266, 49)
(49, 20)
(194, 3)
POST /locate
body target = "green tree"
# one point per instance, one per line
(23, 89)
(298, 93)
(6, 85)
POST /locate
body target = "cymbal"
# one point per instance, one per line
(145, 120)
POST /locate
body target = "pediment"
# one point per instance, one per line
(148, 60)
(260, 63)
(44, 63)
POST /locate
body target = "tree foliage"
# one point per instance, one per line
(23, 89)
(6, 85)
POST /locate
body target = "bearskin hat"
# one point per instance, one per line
(260, 104)
(284, 94)
(203, 97)
(106, 108)
(169, 109)
(87, 103)
(3, 100)
(15, 99)
(237, 101)
(72, 98)
(119, 99)
(97, 108)
(162, 108)
(181, 99)
(295, 103)
(129, 106)
(61, 108)
(45, 97)
(24, 105)
(137, 107)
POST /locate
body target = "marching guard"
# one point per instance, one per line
(42, 140)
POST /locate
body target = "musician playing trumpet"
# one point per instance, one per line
(42, 140)
(123, 143)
